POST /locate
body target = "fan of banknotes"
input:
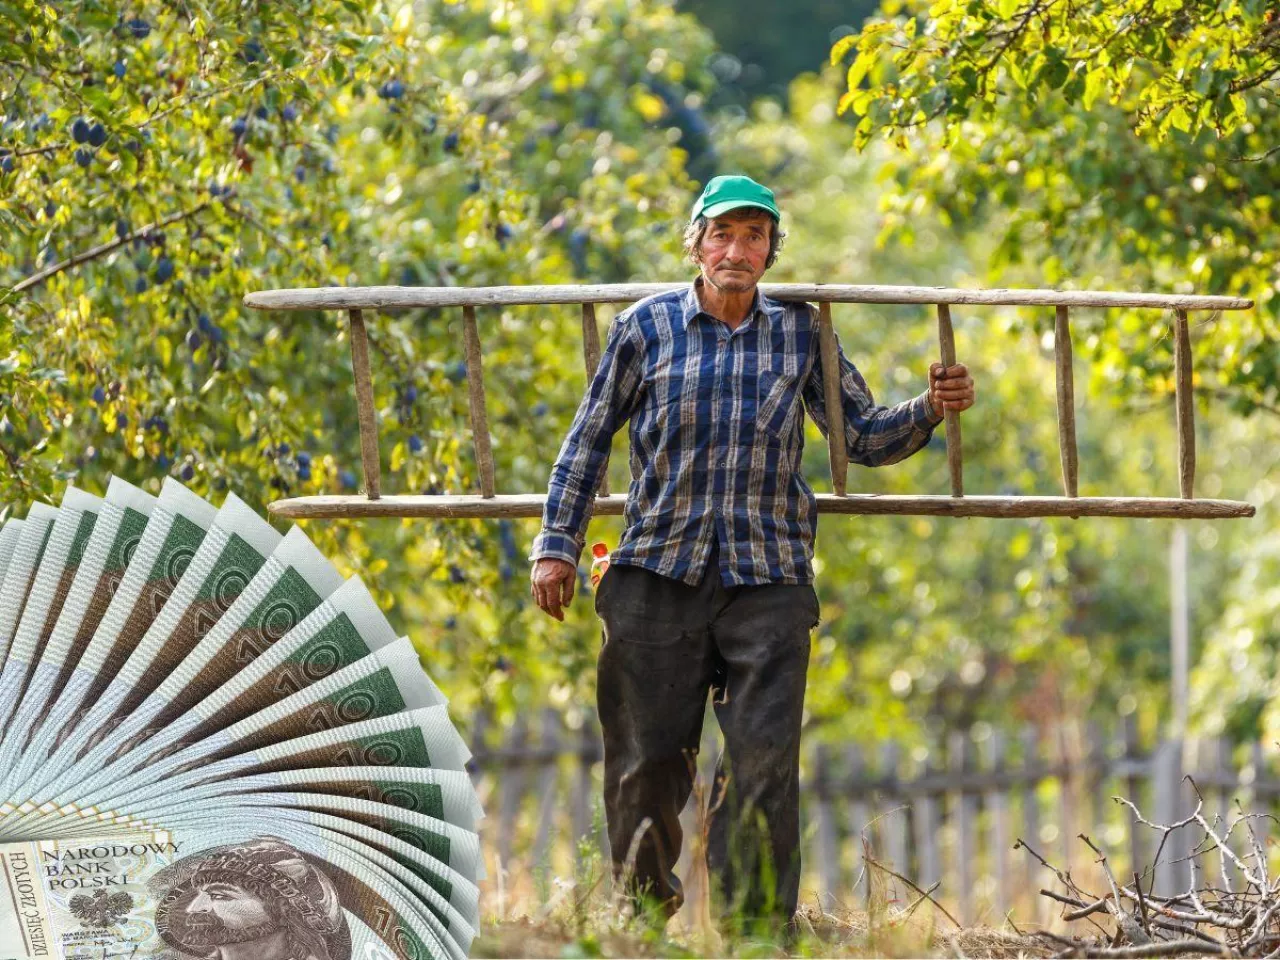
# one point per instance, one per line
(212, 746)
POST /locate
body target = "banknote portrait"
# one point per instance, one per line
(250, 901)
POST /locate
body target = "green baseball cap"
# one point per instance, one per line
(726, 193)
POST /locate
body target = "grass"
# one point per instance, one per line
(581, 916)
(599, 931)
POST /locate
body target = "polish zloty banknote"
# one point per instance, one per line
(8, 542)
(443, 794)
(423, 737)
(174, 530)
(21, 569)
(229, 553)
(185, 894)
(290, 585)
(386, 682)
(232, 552)
(343, 629)
(449, 844)
(373, 868)
(116, 534)
(49, 589)
(190, 672)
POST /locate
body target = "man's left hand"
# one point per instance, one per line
(950, 388)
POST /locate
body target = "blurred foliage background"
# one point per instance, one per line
(158, 161)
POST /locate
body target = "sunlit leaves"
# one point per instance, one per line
(333, 144)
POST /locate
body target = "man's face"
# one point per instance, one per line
(734, 251)
(223, 913)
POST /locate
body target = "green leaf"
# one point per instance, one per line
(843, 46)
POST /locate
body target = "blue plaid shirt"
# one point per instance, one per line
(716, 437)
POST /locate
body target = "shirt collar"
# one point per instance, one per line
(691, 307)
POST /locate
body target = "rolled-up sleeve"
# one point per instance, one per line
(609, 402)
(875, 436)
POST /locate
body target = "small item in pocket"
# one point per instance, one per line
(599, 561)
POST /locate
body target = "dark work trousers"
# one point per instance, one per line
(666, 644)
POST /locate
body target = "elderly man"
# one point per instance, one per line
(711, 587)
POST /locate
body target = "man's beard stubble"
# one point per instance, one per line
(209, 931)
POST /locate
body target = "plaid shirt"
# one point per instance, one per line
(716, 437)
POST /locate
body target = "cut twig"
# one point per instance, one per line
(897, 876)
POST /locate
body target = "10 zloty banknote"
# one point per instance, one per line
(211, 745)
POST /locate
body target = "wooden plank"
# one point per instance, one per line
(859, 822)
(380, 298)
(1134, 761)
(947, 339)
(591, 355)
(924, 809)
(548, 782)
(1172, 876)
(1030, 742)
(1067, 784)
(368, 416)
(827, 838)
(475, 389)
(1092, 777)
(997, 801)
(1185, 407)
(588, 754)
(837, 454)
(964, 822)
(511, 792)
(893, 826)
(1261, 803)
(459, 506)
(1066, 403)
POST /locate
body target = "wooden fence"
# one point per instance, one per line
(949, 814)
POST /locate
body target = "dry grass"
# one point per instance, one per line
(581, 916)
(826, 934)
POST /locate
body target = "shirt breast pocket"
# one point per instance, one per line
(776, 402)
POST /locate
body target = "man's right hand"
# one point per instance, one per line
(552, 585)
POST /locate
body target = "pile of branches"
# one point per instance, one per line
(1232, 920)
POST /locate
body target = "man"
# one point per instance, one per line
(251, 901)
(711, 587)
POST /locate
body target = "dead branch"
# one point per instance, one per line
(1204, 919)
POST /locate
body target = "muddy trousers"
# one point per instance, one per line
(666, 644)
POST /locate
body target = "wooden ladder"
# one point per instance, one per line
(488, 503)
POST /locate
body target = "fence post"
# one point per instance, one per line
(963, 822)
(511, 790)
(588, 754)
(1134, 761)
(828, 830)
(997, 802)
(925, 823)
(893, 826)
(858, 790)
(1171, 877)
(548, 755)
(1066, 801)
(1031, 772)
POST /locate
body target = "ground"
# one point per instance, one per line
(844, 934)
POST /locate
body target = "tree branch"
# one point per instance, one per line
(93, 253)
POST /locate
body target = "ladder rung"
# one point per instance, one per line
(464, 506)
